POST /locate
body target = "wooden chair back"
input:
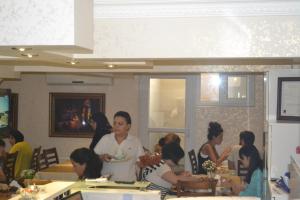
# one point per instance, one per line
(193, 160)
(9, 166)
(241, 170)
(201, 187)
(35, 158)
(51, 156)
(42, 162)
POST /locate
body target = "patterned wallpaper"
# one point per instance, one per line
(234, 119)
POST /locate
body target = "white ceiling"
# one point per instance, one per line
(111, 9)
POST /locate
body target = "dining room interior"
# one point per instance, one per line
(174, 66)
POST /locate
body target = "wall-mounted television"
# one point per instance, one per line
(5, 112)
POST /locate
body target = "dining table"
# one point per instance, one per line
(61, 171)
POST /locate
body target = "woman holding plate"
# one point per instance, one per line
(120, 150)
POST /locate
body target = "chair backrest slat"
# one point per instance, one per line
(9, 166)
(193, 160)
(51, 156)
(35, 158)
(42, 162)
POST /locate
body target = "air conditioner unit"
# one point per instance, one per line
(67, 79)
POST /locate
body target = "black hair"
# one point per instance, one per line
(103, 127)
(248, 137)
(17, 135)
(214, 130)
(92, 161)
(125, 115)
(2, 143)
(172, 151)
(161, 141)
(255, 160)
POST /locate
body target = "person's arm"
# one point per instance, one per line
(208, 149)
(173, 178)
(101, 150)
(254, 188)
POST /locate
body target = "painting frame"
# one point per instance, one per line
(286, 96)
(70, 113)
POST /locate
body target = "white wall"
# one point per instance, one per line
(283, 137)
(33, 114)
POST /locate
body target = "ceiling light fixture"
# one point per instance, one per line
(21, 49)
(73, 62)
(110, 66)
(28, 55)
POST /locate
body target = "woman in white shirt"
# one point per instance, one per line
(119, 150)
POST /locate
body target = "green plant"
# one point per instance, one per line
(28, 174)
(209, 166)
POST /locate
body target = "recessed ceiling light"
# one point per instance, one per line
(21, 49)
(73, 62)
(110, 66)
(29, 55)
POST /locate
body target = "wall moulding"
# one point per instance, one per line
(193, 8)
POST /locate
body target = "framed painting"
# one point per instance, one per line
(288, 99)
(71, 113)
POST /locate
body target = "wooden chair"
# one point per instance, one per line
(51, 156)
(201, 187)
(9, 166)
(241, 171)
(193, 160)
(35, 159)
(42, 162)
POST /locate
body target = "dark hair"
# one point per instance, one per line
(92, 161)
(248, 137)
(161, 141)
(125, 115)
(17, 135)
(214, 130)
(255, 160)
(172, 151)
(103, 127)
(172, 137)
(2, 143)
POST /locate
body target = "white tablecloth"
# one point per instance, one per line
(120, 194)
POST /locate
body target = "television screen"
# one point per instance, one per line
(4, 108)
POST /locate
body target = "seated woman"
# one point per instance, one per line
(86, 163)
(120, 150)
(161, 175)
(169, 138)
(251, 160)
(208, 150)
(16, 139)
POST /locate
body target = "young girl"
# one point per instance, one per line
(251, 160)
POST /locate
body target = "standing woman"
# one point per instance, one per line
(119, 150)
(208, 150)
(101, 126)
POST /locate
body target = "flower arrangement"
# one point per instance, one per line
(28, 174)
(209, 166)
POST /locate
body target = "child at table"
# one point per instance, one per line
(251, 160)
